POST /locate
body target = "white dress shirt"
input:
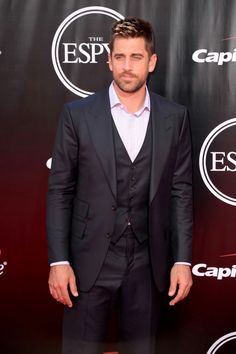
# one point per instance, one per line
(132, 128)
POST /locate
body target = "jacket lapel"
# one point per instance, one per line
(101, 132)
(161, 143)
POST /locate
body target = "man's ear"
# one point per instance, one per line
(152, 62)
(110, 62)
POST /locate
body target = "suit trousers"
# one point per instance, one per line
(125, 281)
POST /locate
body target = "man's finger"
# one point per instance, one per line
(178, 297)
(65, 298)
(57, 292)
(53, 293)
(73, 287)
(173, 287)
(182, 293)
(187, 290)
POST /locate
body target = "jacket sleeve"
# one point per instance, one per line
(61, 188)
(181, 197)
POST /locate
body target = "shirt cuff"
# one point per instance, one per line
(59, 263)
(184, 263)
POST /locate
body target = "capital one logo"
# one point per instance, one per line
(219, 273)
(80, 48)
(203, 56)
(220, 342)
(217, 162)
(220, 58)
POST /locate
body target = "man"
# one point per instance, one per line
(119, 211)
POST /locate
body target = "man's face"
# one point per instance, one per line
(130, 63)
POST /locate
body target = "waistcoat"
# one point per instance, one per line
(133, 180)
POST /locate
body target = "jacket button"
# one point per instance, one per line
(108, 235)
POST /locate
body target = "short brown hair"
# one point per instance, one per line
(132, 27)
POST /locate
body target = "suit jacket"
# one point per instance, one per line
(82, 188)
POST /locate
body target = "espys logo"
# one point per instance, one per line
(80, 48)
(205, 56)
(217, 162)
(221, 341)
(2, 265)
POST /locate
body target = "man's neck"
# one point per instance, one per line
(133, 101)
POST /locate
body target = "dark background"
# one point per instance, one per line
(31, 98)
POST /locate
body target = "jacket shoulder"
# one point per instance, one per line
(87, 103)
(167, 105)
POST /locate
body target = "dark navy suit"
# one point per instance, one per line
(88, 205)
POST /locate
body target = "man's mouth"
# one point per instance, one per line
(126, 76)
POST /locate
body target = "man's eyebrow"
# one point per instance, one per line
(139, 54)
(132, 54)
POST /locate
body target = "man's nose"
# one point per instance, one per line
(127, 64)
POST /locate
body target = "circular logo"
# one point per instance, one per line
(80, 48)
(221, 341)
(217, 161)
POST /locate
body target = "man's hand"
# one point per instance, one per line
(181, 279)
(60, 277)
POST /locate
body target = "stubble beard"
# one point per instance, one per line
(129, 85)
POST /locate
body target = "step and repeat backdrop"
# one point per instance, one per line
(52, 52)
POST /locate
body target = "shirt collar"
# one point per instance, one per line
(115, 102)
